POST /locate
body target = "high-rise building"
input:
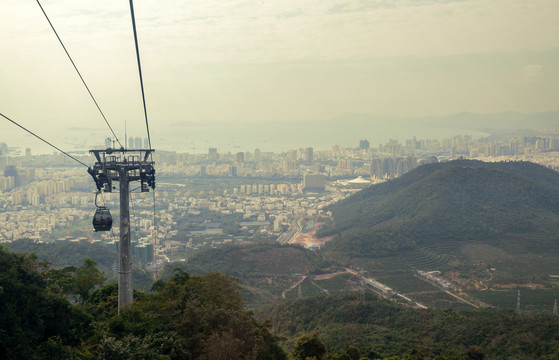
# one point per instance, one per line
(6, 183)
(11, 171)
(319, 168)
(314, 183)
(345, 164)
(138, 143)
(30, 175)
(290, 165)
(453, 151)
(308, 154)
(3, 162)
(292, 155)
(240, 157)
(393, 147)
(257, 155)
(146, 143)
(212, 154)
(33, 198)
(108, 144)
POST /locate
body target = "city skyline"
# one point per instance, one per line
(254, 183)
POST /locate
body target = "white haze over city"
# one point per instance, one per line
(214, 70)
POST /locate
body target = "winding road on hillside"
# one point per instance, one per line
(293, 286)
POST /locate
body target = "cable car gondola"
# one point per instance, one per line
(102, 220)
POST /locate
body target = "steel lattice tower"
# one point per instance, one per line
(124, 166)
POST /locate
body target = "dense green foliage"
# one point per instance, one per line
(67, 253)
(454, 201)
(63, 254)
(76, 282)
(378, 326)
(35, 321)
(202, 317)
(254, 260)
(264, 271)
(199, 317)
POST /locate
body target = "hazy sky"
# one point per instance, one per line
(226, 61)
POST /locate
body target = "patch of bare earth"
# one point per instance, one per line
(309, 239)
(513, 286)
(329, 276)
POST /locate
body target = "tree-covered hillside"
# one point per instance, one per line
(251, 261)
(264, 271)
(186, 317)
(459, 201)
(378, 326)
(72, 253)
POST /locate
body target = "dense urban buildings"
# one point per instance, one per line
(45, 197)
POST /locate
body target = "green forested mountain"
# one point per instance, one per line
(497, 203)
(67, 253)
(64, 254)
(264, 271)
(251, 261)
(186, 317)
(380, 329)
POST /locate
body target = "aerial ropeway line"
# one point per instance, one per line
(78, 72)
(140, 69)
(115, 165)
(43, 140)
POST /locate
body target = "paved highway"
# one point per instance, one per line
(286, 237)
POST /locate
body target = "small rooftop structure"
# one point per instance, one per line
(359, 180)
(357, 183)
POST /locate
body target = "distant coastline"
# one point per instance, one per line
(345, 131)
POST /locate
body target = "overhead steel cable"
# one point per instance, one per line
(143, 96)
(140, 69)
(154, 220)
(43, 140)
(79, 74)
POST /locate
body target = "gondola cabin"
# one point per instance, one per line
(102, 220)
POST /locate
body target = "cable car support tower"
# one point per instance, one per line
(123, 166)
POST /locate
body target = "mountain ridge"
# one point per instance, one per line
(459, 200)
